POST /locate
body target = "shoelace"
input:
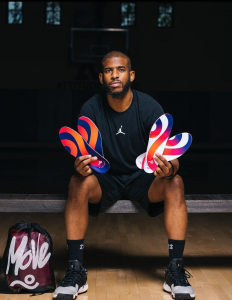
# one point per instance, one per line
(181, 276)
(71, 276)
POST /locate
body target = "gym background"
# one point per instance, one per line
(186, 66)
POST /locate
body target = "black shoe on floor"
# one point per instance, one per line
(73, 283)
(176, 281)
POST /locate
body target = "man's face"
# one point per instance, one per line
(116, 77)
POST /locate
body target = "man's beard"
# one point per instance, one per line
(125, 88)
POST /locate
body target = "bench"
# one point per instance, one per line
(55, 203)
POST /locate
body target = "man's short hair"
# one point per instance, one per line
(116, 54)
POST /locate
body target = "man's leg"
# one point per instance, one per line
(171, 191)
(81, 191)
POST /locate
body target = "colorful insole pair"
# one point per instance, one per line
(87, 142)
(158, 142)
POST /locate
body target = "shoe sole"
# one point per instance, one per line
(82, 290)
(167, 289)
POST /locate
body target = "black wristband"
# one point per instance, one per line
(174, 171)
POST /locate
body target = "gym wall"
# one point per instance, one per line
(186, 68)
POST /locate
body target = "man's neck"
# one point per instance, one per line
(120, 104)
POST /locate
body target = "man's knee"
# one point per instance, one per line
(177, 182)
(80, 185)
(175, 186)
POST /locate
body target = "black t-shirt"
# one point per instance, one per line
(124, 134)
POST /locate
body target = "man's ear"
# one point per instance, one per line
(132, 76)
(101, 78)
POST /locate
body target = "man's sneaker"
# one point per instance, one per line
(73, 283)
(176, 281)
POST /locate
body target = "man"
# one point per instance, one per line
(124, 118)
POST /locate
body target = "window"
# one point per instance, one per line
(15, 12)
(165, 14)
(128, 14)
(53, 11)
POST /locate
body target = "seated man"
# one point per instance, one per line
(124, 118)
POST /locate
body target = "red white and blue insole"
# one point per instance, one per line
(158, 137)
(175, 147)
(76, 145)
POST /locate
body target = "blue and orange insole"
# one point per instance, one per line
(77, 146)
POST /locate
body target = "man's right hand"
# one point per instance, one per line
(81, 164)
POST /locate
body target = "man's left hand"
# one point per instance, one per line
(164, 167)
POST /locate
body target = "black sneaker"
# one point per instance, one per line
(73, 283)
(176, 281)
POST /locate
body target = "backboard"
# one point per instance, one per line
(90, 45)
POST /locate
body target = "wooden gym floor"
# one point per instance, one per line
(126, 254)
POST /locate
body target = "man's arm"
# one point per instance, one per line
(165, 168)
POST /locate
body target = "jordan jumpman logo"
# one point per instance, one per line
(120, 130)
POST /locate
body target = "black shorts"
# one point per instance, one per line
(132, 187)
